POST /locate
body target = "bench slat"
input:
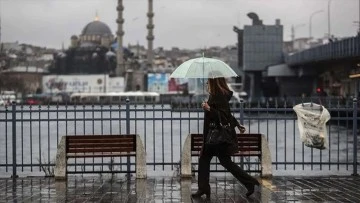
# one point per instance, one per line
(249, 143)
(108, 149)
(97, 145)
(87, 155)
(132, 136)
(245, 149)
(102, 140)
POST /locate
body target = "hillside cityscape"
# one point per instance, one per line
(94, 64)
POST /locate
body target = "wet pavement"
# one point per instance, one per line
(173, 189)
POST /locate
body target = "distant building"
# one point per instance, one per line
(10, 46)
(262, 46)
(22, 79)
(139, 52)
(298, 44)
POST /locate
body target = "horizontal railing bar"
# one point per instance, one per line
(69, 164)
(177, 164)
(219, 170)
(158, 119)
(313, 163)
(164, 109)
(252, 110)
(101, 119)
(125, 171)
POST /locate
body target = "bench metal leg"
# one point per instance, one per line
(140, 159)
(266, 163)
(186, 158)
(60, 163)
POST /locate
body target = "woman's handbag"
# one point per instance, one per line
(222, 134)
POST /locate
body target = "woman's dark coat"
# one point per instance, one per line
(219, 105)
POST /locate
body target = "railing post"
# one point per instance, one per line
(128, 132)
(242, 123)
(127, 116)
(241, 112)
(14, 175)
(355, 112)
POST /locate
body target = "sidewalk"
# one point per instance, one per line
(173, 189)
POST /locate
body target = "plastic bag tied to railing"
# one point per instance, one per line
(312, 120)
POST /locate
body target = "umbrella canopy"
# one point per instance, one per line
(203, 68)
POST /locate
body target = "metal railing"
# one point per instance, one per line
(29, 135)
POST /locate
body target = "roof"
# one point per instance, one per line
(96, 28)
(25, 69)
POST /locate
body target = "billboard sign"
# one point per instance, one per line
(81, 83)
(158, 82)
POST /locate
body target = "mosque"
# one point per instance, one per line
(95, 51)
(89, 53)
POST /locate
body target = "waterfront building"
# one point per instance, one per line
(262, 46)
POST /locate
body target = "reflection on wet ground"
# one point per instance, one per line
(173, 189)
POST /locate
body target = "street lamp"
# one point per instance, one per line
(359, 16)
(329, 29)
(310, 21)
(358, 22)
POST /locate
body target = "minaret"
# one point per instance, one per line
(120, 67)
(96, 16)
(150, 36)
(1, 46)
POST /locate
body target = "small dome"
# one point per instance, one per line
(96, 28)
(110, 53)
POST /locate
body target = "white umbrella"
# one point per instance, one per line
(203, 68)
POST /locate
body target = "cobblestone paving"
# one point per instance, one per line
(224, 189)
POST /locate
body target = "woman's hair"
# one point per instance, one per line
(218, 85)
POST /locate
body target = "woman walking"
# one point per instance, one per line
(218, 104)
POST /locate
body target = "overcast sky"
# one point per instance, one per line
(178, 23)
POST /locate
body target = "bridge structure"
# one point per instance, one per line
(331, 69)
(346, 50)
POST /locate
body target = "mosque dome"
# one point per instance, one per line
(96, 28)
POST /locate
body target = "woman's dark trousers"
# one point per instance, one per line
(226, 162)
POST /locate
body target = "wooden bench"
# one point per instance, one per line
(92, 146)
(250, 145)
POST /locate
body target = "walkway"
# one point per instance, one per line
(173, 189)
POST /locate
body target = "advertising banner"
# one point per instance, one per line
(158, 82)
(162, 83)
(82, 83)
